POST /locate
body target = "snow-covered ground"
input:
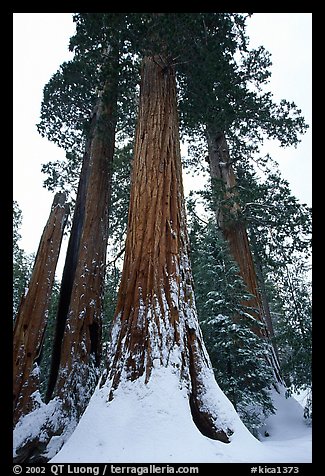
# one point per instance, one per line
(152, 423)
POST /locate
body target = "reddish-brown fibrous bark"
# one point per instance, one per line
(80, 349)
(155, 322)
(31, 320)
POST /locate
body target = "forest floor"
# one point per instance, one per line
(152, 424)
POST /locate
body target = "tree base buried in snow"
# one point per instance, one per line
(152, 423)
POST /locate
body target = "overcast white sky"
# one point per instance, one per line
(40, 45)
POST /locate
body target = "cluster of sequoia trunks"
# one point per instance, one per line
(77, 342)
(155, 311)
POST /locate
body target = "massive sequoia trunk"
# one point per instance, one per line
(156, 322)
(31, 320)
(234, 231)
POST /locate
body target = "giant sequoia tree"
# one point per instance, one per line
(233, 116)
(78, 337)
(279, 229)
(155, 327)
(155, 317)
(77, 343)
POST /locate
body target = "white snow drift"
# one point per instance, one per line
(152, 423)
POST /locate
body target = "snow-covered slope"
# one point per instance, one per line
(290, 438)
(150, 423)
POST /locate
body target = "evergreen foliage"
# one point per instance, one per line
(22, 263)
(280, 232)
(238, 355)
(281, 225)
(295, 326)
(70, 97)
(292, 310)
(223, 90)
(280, 236)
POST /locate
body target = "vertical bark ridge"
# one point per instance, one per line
(81, 341)
(31, 320)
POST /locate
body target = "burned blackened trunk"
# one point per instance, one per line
(70, 264)
(32, 315)
(74, 373)
(156, 322)
(234, 231)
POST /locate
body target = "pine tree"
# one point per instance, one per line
(293, 309)
(236, 352)
(280, 232)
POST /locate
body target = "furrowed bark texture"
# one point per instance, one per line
(155, 322)
(80, 350)
(32, 315)
(235, 233)
(261, 280)
(70, 265)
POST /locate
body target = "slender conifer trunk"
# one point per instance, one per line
(234, 231)
(31, 320)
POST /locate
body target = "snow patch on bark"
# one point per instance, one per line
(52, 423)
(215, 402)
(37, 424)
